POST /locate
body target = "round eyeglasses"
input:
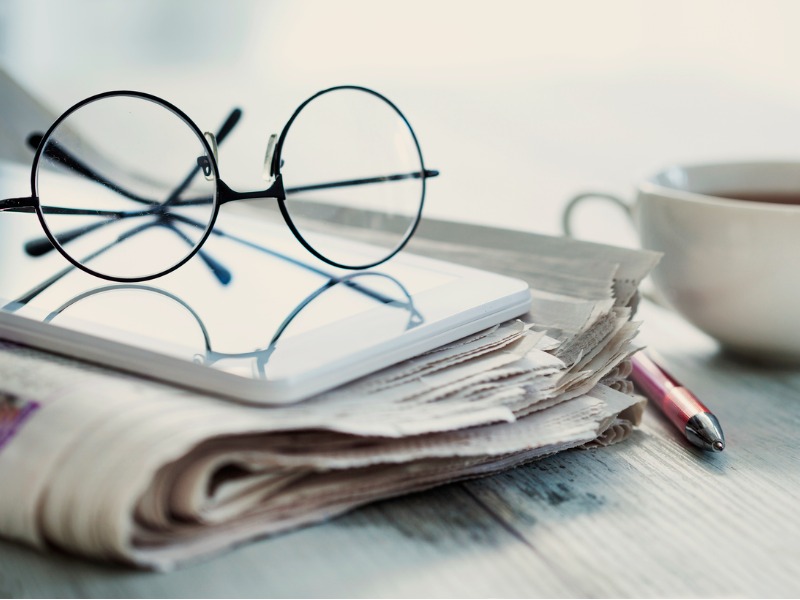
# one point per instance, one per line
(127, 187)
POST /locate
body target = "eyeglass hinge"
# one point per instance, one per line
(276, 189)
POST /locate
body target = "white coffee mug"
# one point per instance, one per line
(730, 234)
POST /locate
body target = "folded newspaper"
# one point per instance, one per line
(117, 468)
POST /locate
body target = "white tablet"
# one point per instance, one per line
(285, 327)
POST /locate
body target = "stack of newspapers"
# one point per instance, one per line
(118, 468)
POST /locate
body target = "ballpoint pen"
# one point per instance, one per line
(680, 406)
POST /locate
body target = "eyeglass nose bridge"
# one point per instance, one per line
(266, 172)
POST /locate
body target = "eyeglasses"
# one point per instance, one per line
(129, 167)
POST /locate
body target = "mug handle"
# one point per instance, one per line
(647, 291)
(566, 217)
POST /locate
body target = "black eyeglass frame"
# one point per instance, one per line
(222, 192)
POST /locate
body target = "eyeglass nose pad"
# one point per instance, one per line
(203, 162)
(266, 173)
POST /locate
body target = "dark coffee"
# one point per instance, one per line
(768, 197)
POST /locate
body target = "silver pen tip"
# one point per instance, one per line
(703, 431)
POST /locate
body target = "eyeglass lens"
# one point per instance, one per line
(122, 168)
(352, 171)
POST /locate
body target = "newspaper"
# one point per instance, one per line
(117, 468)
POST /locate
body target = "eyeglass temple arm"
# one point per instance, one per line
(425, 174)
(222, 273)
(25, 204)
(332, 279)
(43, 245)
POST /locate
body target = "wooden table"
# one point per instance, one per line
(649, 517)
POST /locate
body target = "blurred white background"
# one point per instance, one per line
(520, 104)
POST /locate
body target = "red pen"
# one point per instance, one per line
(680, 406)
